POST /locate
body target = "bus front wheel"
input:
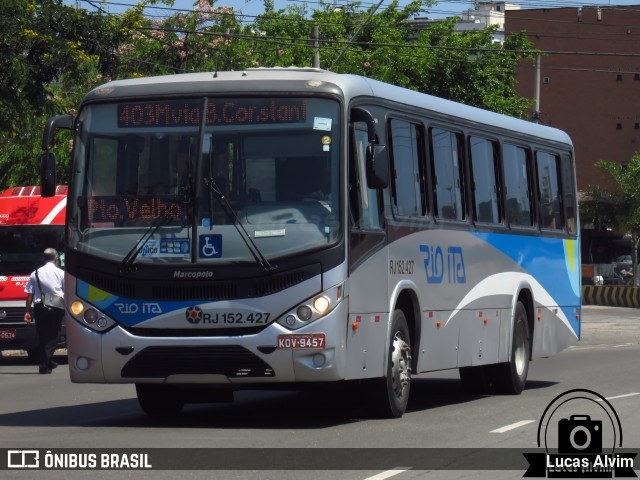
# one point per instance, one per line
(159, 400)
(388, 396)
(511, 377)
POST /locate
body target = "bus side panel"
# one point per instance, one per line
(439, 342)
(548, 337)
(479, 336)
(460, 315)
(552, 273)
(468, 284)
(368, 318)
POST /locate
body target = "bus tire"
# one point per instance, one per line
(159, 400)
(388, 397)
(511, 377)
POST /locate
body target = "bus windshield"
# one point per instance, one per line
(200, 180)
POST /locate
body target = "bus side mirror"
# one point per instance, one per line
(377, 166)
(53, 124)
(48, 159)
(377, 162)
(47, 174)
(361, 115)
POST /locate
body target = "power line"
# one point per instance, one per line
(397, 45)
(379, 45)
(242, 18)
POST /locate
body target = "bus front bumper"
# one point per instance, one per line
(117, 356)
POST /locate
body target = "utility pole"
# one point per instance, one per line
(315, 37)
(536, 91)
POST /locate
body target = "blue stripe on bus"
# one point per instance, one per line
(125, 311)
(553, 262)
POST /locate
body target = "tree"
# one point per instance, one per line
(617, 204)
(464, 66)
(49, 53)
(205, 39)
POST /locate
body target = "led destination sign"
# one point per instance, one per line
(120, 210)
(188, 113)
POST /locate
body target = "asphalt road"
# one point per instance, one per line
(49, 412)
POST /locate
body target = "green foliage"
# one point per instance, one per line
(617, 205)
(52, 54)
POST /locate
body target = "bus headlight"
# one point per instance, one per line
(312, 309)
(77, 307)
(90, 317)
(304, 312)
(321, 304)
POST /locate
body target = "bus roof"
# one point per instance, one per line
(275, 80)
(25, 206)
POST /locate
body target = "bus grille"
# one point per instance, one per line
(195, 292)
(198, 290)
(232, 361)
(280, 282)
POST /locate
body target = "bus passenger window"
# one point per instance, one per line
(549, 197)
(365, 205)
(447, 174)
(408, 186)
(568, 192)
(485, 182)
(517, 174)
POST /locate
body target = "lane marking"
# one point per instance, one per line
(621, 396)
(387, 474)
(521, 423)
(601, 345)
(512, 426)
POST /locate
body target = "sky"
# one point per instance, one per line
(256, 7)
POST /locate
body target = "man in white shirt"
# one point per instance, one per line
(50, 280)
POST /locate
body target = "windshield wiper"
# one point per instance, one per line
(127, 266)
(210, 183)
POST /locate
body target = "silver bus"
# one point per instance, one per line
(289, 227)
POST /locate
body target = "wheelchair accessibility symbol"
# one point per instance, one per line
(210, 246)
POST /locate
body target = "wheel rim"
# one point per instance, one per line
(400, 365)
(521, 351)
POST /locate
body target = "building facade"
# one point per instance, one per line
(486, 14)
(589, 79)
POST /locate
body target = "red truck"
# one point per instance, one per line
(29, 223)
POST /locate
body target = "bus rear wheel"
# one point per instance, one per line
(159, 400)
(511, 377)
(388, 396)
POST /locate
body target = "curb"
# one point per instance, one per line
(611, 295)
